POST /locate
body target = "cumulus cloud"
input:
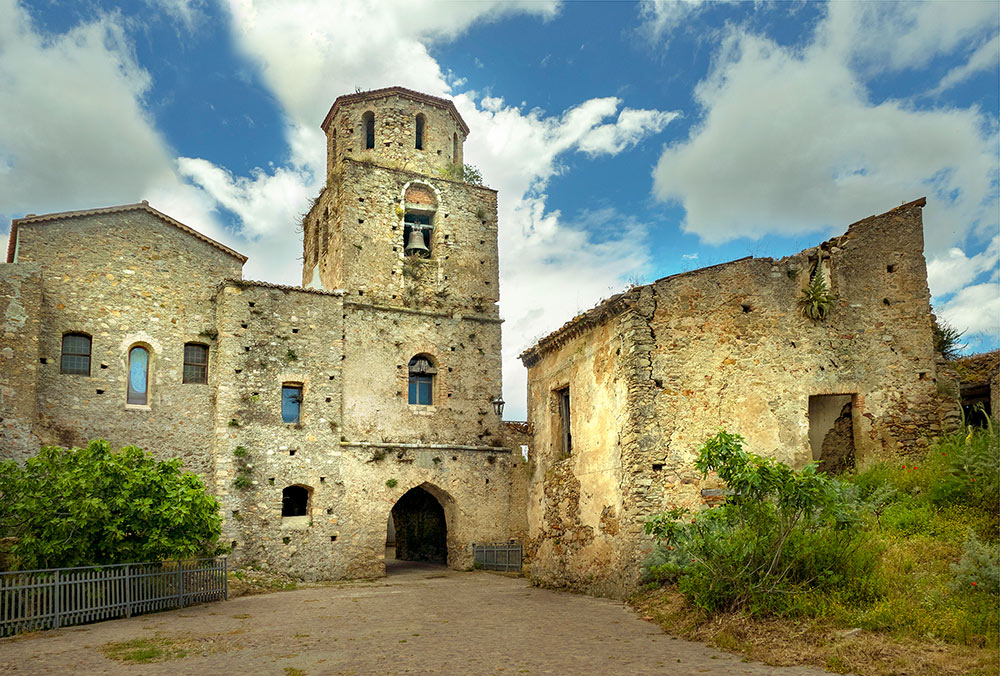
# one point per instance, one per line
(975, 310)
(790, 142)
(984, 58)
(949, 272)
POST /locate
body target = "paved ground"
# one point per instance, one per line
(421, 619)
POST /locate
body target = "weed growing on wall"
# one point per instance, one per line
(815, 302)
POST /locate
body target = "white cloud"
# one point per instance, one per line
(74, 133)
(188, 13)
(662, 16)
(985, 58)
(790, 142)
(975, 310)
(951, 271)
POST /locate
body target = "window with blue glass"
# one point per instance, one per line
(291, 402)
(422, 372)
(138, 376)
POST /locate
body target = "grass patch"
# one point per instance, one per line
(929, 605)
(145, 650)
(250, 582)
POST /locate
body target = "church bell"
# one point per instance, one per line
(415, 243)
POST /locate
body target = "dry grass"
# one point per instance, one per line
(165, 648)
(816, 642)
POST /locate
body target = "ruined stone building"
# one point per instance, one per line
(622, 397)
(312, 412)
(323, 415)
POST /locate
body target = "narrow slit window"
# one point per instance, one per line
(195, 363)
(566, 437)
(454, 148)
(138, 376)
(291, 402)
(421, 385)
(421, 121)
(75, 354)
(369, 123)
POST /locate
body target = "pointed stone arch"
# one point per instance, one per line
(421, 522)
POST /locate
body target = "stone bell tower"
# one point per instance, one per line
(412, 248)
(396, 224)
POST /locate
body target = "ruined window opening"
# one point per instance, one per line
(368, 119)
(75, 354)
(454, 148)
(138, 376)
(422, 372)
(291, 402)
(421, 121)
(195, 363)
(831, 431)
(566, 438)
(294, 501)
(417, 231)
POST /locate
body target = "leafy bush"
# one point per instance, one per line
(978, 570)
(89, 506)
(780, 533)
(457, 171)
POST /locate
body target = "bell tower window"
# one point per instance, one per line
(417, 231)
(421, 121)
(422, 372)
(368, 120)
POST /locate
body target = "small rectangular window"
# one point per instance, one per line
(291, 402)
(564, 421)
(195, 363)
(75, 354)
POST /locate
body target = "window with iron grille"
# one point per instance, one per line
(75, 354)
(422, 372)
(195, 363)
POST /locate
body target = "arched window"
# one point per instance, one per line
(454, 148)
(138, 376)
(422, 372)
(295, 501)
(421, 121)
(368, 120)
(75, 354)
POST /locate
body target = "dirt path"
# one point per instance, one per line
(419, 620)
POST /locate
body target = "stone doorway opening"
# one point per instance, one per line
(417, 529)
(831, 431)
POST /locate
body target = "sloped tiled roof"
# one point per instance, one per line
(395, 91)
(141, 206)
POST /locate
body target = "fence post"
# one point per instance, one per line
(58, 602)
(225, 579)
(128, 590)
(180, 584)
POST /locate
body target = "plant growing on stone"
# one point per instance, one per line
(291, 355)
(781, 533)
(391, 483)
(244, 470)
(947, 339)
(456, 171)
(91, 506)
(815, 302)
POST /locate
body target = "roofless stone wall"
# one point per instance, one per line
(655, 372)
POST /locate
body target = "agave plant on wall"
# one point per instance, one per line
(816, 300)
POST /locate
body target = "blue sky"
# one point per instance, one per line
(628, 140)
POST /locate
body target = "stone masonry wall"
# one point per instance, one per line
(20, 305)
(124, 279)
(575, 501)
(355, 470)
(395, 135)
(727, 347)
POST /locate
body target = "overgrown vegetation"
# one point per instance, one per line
(244, 468)
(947, 339)
(457, 171)
(816, 302)
(905, 552)
(90, 506)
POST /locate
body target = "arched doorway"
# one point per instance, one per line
(418, 529)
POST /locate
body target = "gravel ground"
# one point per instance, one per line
(421, 619)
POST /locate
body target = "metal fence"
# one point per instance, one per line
(497, 555)
(58, 597)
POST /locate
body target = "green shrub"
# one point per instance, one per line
(90, 506)
(978, 570)
(780, 534)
